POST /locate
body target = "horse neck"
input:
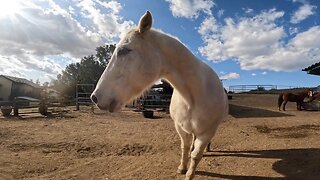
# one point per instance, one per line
(306, 93)
(181, 68)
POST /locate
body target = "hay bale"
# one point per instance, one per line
(311, 106)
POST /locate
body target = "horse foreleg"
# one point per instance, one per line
(186, 143)
(208, 147)
(280, 101)
(196, 155)
(299, 104)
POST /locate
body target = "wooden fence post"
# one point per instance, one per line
(15, 108)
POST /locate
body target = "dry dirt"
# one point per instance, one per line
(255, 142)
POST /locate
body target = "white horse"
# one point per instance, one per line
(198, 103)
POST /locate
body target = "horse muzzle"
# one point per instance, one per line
(111, 105)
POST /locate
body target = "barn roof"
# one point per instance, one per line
(21, 80)
(313, 69)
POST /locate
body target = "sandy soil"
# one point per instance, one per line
(255, 142)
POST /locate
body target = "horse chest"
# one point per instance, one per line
(181, 114)
(184, 123)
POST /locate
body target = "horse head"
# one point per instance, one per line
(133, 67)
(309, 93)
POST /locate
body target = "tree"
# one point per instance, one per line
(104, 53)
(38, 82)
(87, 71)
(45, 84)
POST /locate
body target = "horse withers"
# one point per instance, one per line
(198, 102)
(293, 97)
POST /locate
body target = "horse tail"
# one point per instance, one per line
(280, 100)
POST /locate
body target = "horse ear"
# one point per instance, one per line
(145, 22)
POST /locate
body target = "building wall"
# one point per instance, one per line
(5, 88)
(19, 89)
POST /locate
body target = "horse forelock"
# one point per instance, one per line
(126, 37)
(310, 92)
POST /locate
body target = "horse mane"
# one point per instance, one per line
(160, 36)
(172, 40)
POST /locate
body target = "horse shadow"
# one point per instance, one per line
(238, 111)
(293, 164)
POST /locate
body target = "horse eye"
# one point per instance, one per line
(123, 51)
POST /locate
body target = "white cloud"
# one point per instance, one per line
(7, 64)
(208, 26)
(300, 1)
(41, 31)
(264, 73)
(71, 10)
(248, 10)
(43, 34)
(190, 8)
(109, 25)
(253, 74)
(303, 12)
(230, 76)
(220, 13)
(258, 43)
(249, 38)
(293, 30)
(307, 40)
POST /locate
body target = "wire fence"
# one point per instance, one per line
(270, 89)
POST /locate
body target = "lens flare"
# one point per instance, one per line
(9, 8)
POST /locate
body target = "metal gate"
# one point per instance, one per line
(83, 92)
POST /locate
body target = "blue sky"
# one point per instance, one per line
(244, 41)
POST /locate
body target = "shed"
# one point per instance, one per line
(11, 87)
(314, 105)
(313, 69)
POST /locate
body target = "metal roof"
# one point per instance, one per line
(21, 80)
(313, 69)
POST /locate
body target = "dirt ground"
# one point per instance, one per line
(256, 142)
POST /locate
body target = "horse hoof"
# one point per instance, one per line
(189, 176)
(182, 171)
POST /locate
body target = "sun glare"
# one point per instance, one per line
(9, 7)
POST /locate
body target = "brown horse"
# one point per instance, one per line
(293, 97)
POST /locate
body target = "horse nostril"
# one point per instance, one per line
(94, 98)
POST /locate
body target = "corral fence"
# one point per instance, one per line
(156, 101)
(153, 102)
(83, 93)
(267, 89)
(41, 105)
